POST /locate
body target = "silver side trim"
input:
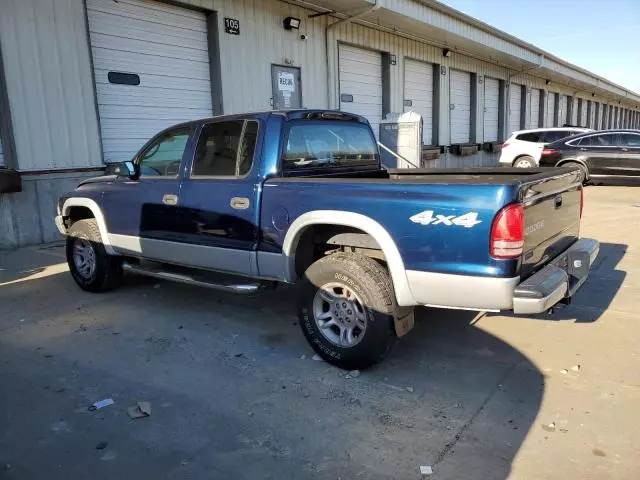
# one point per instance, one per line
(403, 293)
(272, 265)
(97, 214)
(239, 262)
(242, 289)
(462, 291)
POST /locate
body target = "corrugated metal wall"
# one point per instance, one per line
(48, 73)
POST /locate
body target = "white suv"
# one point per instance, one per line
(523, 148)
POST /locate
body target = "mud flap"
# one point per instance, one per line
(403, 320)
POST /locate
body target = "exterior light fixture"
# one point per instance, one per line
(548, 82)
(446, 52)
(291, 23)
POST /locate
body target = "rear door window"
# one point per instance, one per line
(629, 140)
(554, 135)
(603, 140)
(534, 137)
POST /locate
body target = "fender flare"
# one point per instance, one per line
(395, 263)
(97, 214)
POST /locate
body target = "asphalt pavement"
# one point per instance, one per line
(235, 392)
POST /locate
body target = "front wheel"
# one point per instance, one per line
(93, 269)
(346, 307)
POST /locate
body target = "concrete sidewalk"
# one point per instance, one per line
(235, 393)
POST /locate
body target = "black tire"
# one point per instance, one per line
(107, 273)
(526, 161)
(584, 173)
(371, 282)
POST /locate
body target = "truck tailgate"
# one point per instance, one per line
(552, 220)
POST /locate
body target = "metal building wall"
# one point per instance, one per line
(48, 73)
(246, 59)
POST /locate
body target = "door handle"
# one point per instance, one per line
(170, 199)
(239, 203)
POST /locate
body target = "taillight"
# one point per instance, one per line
(507, 232)
(504, 145)
(548, 151)
(581, 200)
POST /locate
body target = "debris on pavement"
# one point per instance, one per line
(317, 358)
(101, 404)
(576, 368)
(352, 374)
(564, 371)
(550, 427)
(409, 389)
(101, 445)
(303, 357)
(157, 285)
(140, 410)
(598, 453)
(426, 470)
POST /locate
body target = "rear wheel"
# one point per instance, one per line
(526, 161)
(584, 174)
(93, 269)
(346, 307)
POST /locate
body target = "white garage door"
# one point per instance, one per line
(460, 106)
(551, 109)
(515, 107)
(562, 114)
(534, 110)
(361, 83)
(151, 67)
(491, 109)
(1, 155)
(574, 111)
(418, 91)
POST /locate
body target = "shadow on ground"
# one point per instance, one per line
(235, 393)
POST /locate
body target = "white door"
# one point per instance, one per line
(491, 109)
(361, 83)
(418, 94)
(551, 109)
(515, 107)
(459, 106)
(562, 113)
(151, 66)
(534, 110)
(1, 155)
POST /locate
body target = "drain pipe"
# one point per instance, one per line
(332, 26)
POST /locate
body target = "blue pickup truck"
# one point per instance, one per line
(244, 202)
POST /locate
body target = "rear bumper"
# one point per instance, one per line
(538, 293)
(557, 281)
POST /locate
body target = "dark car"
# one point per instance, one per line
(599, 155)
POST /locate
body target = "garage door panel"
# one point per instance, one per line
(146, 48)
(151, 97)
(160, 14)
(159, 81)
(166, 46)
(119, 26)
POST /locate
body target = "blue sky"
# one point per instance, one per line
(602, 36)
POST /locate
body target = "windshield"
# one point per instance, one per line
(318, 144)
